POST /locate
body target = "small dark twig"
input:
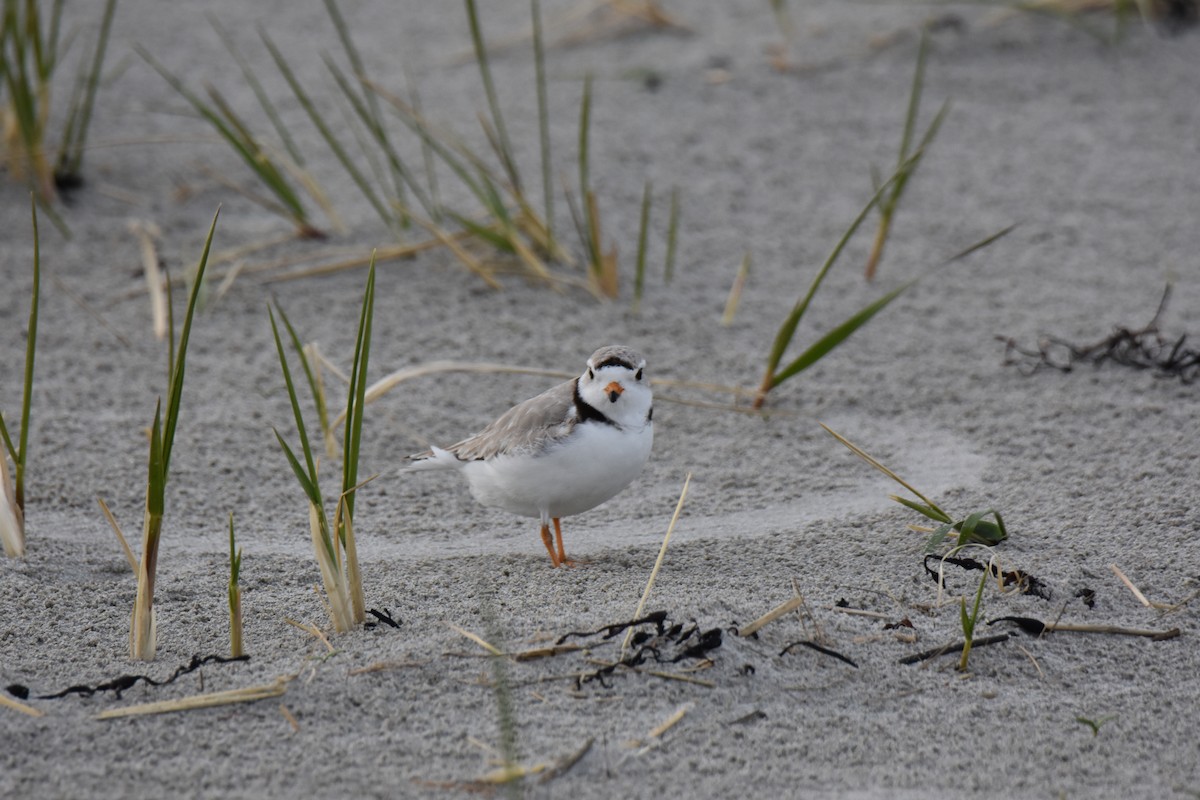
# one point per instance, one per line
(120, 684)
(656, 618)
(384, 618)
(1143, 348)
(820, 649)
(955, 647)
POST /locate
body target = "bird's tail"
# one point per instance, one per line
(433, 458)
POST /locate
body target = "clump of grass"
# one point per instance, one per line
(142, 632)
(968, 622)
(333, 540)
(235, 595)
(29, 59)
(1094, 724)
(776, 374)
(508, 222)
(908, 160)
(972, 529)
(12, 488)
(276, 171)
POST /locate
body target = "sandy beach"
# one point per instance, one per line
(1089, 148)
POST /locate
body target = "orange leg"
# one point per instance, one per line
(562, 555)
(554, 558)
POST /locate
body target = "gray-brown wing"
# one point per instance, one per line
(527, 426)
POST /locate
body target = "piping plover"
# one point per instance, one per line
(563, 452)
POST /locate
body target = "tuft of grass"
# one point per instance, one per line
(601, 265)
(507, 224)
(235, 595)
(972, 529)
(333, 540)
(1094, 724)
(776, 374)
(12, 489)
(908, 159)
(68, 170)
(969, 620)
(142, 632)
(29, 59)
(275, 171)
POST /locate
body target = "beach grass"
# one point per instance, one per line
(333, 540)
(973, 528)
(12, 488)
(236, 647)
(143, 632)
(31, 50)
(908, 159)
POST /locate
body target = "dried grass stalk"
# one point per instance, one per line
(246, 695)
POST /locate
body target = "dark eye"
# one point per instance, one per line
(638, 375)
(591, 374)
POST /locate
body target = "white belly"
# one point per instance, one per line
(590, 467)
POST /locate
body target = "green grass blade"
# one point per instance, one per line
(969, 622)
(8, 442)
(977, 529)
(672, 236)
(157, 482)
(356, 401)
(833, 338)
(427, 156)
(310, 481)
(937, 537)
(264, 100)
(271, 175)
(914, 97)
(788, 329)
(484, 233)
(235, 561)
(360, 72)
(237, 135)
(585, 124)
(305, 101)
(539, 65)
(236, 649)
(935, 514)
(175, 390)
(435, 140)
(369, 117)
(639, 275)
(877, 464)
(21, 454)
(75, 137)
(489, 88)
(311, 490)
(982, 243)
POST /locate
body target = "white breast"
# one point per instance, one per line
(591, 466)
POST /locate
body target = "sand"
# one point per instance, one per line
(1091, 148)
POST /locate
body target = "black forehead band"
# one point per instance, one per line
(614, 361)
